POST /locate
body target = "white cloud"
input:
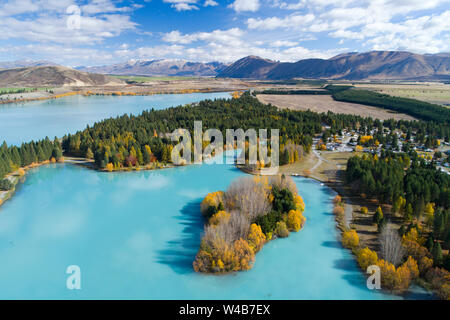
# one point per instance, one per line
(289, 6)
(70, 56)
(223, 36)
(52, 29)
(293, 21)
(424, 34)
(100, 19)
(375, 23)
(104, 6)
(283, 43)
(210, 3)
(245, 5)
(371, 24)
(231, 51)
(346, 34)
(183, 5)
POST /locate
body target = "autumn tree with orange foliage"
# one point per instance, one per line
(232, 233)
(256, 237)
(109, 167)
(337, 199)
(295, 220)
(350, 239)
(366, 257)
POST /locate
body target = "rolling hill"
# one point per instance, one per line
(25, 64)
(52, 76)
(350, 66)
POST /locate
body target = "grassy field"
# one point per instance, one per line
(433, 93)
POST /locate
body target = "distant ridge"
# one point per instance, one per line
(52, 76)
(351, 66)
(249, 67)
(25, 64)
(372, 65)
(162, 67)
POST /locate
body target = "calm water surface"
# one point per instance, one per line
(134, 235)
(22, 122)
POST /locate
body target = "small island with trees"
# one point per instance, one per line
(238, 222)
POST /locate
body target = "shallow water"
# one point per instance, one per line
(134, 236)
(23, 122)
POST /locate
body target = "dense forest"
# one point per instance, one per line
(130, 140)
(419, 109)
(419, 196)
(413, 187)
(13, 157)
(397, 174)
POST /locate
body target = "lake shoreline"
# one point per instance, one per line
(70, 161)
(18, 175)
(352, 201)
(87, 93)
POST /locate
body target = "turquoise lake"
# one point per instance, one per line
(134, 235)
(22, 122)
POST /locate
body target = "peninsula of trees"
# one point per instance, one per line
(131, 141)
(13, 157)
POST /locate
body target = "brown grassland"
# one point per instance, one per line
(325, 103)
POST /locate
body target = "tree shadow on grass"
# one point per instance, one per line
(180, 253)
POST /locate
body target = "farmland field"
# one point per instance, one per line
(325, 103)
(433, 93)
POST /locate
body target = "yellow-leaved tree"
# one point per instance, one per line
(295, 220)
(366, 257)
(212, 199)
(350, 239)
(256, 237)
(219, 217)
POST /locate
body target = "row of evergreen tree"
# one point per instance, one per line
(419, 109)
(414, 187)
(14, 157)
(392, 175)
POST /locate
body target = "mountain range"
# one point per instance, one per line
(50, 76)
(376, 65)
(25, 64)
(350, 66)
(161, 67)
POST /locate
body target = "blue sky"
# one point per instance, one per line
(96, 32)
